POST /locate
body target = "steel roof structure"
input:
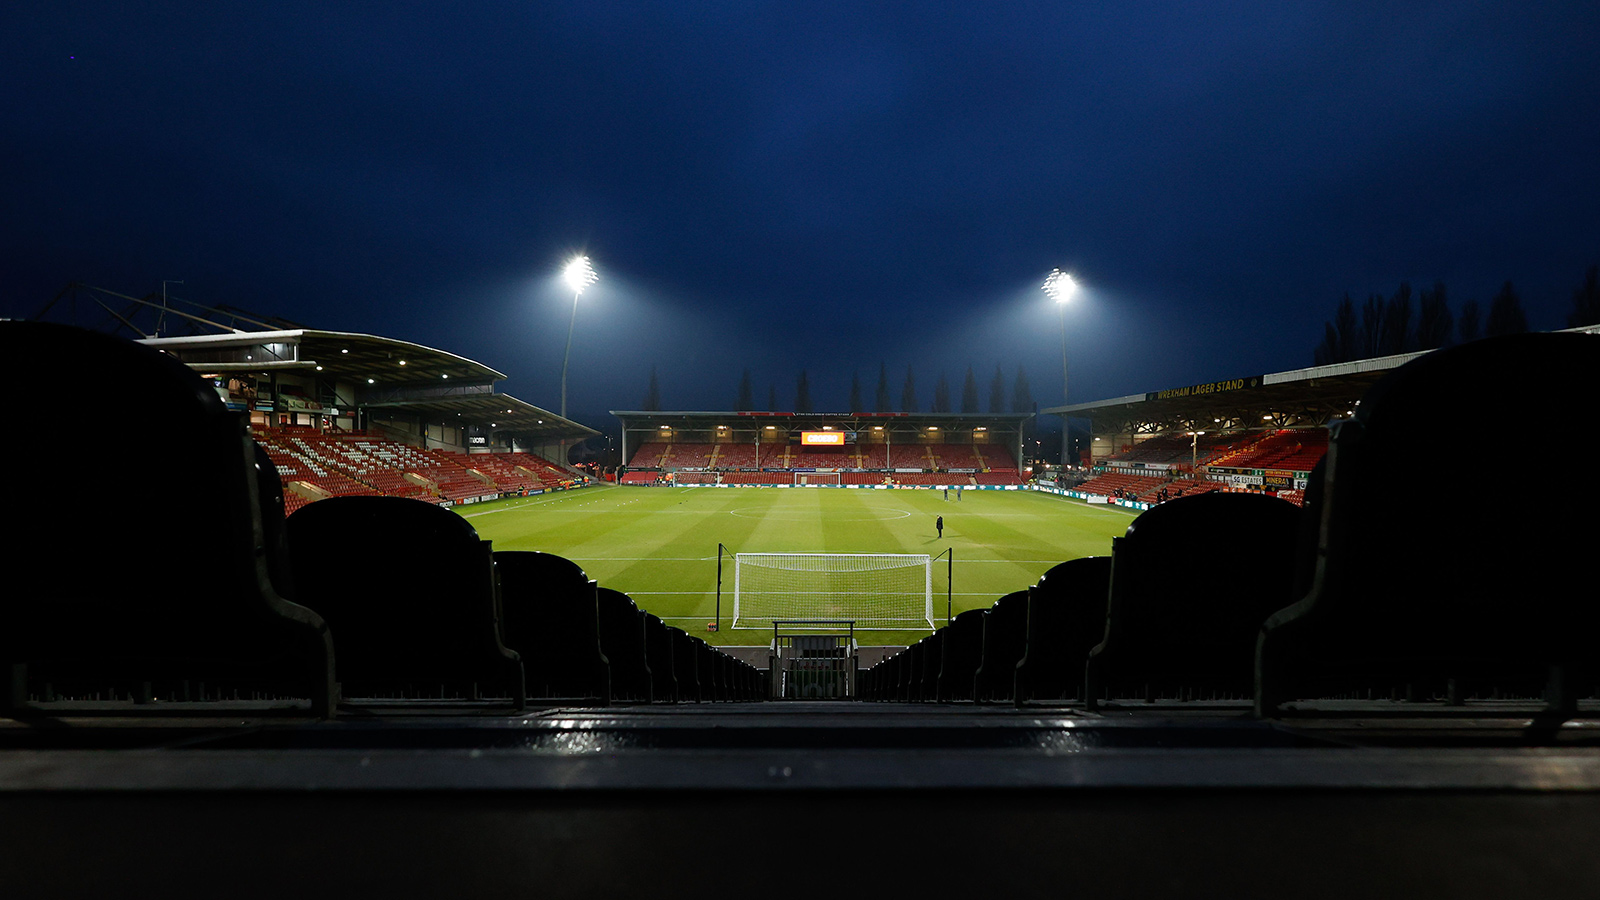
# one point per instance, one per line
(388, 374)
(1298, 398)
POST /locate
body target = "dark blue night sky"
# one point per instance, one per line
(778, 186)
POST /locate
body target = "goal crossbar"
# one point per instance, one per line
(879, 591)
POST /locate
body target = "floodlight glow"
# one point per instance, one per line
(1060, 286)
(579, 274)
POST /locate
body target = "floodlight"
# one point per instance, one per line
(1060, 286)
(579, 274)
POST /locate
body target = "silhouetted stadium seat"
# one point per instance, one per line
(622, 640)
(926, 681)
(909, 670)
(1191, 583)
(963, 651)
(409, 592)
(1066, 618)
(1005, 630)
(689, 668)
(551, 617)
(148, 583)
(659, 655)
(1464, 592)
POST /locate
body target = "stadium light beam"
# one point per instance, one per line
(1060, 287)
(578, 274)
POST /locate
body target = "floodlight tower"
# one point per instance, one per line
(1060, 287)
(579, 274)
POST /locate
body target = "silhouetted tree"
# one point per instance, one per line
(855, 393)
(1344, 325)
(1021, 396)
(997, 391)
(747, 397)
(652, 394)
(1467, 325)
(1433, 319)
(1340, 337)
(1505, 313)
(802, 394)
(1371, 330)
(1396, 332)
(1327, 352)
(941, 394)
(1586, 301)
(772, 398)
(908, 394)
(882, 403)
(969, 393)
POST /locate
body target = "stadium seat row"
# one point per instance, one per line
(186, 586)
(1378, 591)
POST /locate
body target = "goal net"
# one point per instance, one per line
(875, 590)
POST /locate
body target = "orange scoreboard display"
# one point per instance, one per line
(822, 439)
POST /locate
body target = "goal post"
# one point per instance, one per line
(878, 591)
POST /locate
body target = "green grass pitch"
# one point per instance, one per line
(659, 545)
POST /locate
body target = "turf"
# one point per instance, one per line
(659, 545)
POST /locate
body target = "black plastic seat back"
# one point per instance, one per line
(622, 640)
(932, 662)
(1066, 618)
(551, 616)
(687, 667)
(659, 655)
(1191, 584)
(1005, 630)
(409, 592)
(174, 591)
(963, 650)
(910, 669)
(1429, 566)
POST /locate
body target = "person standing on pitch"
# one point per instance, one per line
(939, 524)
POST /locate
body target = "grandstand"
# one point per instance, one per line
(315, 465)
(873, 449)
(343, 414)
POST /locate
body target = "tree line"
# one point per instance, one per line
(1404, 323)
